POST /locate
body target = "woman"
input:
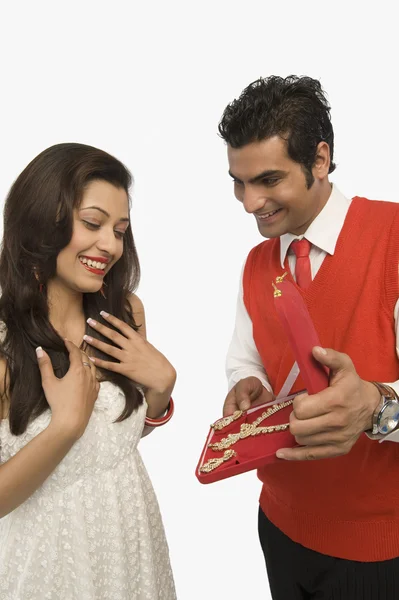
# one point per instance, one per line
(78, 516)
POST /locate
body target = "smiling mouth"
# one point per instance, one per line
(268, 215)
(94, 266)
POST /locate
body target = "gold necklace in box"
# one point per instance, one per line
(246, 430)
(214, 463)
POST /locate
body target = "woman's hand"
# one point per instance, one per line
(71, 398)
(137, 358)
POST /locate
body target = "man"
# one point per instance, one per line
(329, 508)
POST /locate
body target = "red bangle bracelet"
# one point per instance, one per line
(162, 420)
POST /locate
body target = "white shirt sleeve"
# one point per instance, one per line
(243, 359)
(394, 436)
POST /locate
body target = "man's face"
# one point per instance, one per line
(273, 187)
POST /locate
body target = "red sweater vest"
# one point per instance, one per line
(347, 507)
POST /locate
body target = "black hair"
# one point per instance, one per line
(294, 108)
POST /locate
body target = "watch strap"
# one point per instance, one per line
(387, 394)
(385, 390)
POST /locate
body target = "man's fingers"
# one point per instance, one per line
(246, 393)
(243, 399)
(326, 439)
(236, 400)
(309, 452)
(230, 404)
(312, 426)
(45, 366)
(336, 361)
(309, 407)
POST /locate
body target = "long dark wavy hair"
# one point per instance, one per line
(294, 108)
(38, 224)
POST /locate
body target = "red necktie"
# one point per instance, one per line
(303, 273)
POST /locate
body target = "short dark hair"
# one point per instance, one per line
(294, 108)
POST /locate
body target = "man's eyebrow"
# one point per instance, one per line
(104, 212)
(264, 175)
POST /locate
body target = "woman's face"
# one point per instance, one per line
(99, 225)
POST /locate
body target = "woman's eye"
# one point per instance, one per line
(96, 226)
(91, 225)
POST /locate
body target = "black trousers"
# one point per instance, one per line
(297, 573)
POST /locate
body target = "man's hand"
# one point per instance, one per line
(246, 393)
(329, 423)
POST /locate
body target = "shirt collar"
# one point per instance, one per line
(324, 231)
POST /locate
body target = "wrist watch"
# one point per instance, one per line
(386, 415)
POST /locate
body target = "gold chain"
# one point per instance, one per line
(222, 423)
(214, 463)
(252, 429)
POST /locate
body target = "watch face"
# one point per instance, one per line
(389, 417)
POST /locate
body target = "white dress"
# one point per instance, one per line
(93, 530)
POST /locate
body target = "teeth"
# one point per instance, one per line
(92, 263)
(269, 214)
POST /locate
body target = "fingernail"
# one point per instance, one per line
(87, 338)
(39, 352)
(245, 405)
(91, 322)
(280, 454)
(92, 359)
(321, 350)
(104, 314)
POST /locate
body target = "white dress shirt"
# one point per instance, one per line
(243, 359)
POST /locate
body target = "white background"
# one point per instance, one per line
(148, 82)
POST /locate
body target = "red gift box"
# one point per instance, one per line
(249, 440)
(251, 451)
